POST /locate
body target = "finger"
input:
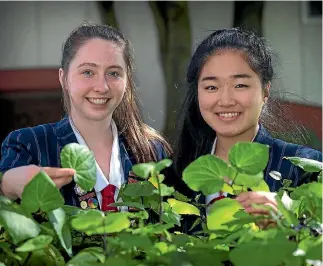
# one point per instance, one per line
(252, 194)
(62, 181)
(259, 199)
(55, 172)
(258, 210)
(243, 196)
(266, 223)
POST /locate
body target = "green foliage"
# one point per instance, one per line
(81, 159)
(152, 234)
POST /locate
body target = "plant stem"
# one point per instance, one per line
(160, 200)
(105, 245)
(234, 179)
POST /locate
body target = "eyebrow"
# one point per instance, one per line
(95, 65)
(236, 76)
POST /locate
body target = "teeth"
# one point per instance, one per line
(228, 115)
(98, 101)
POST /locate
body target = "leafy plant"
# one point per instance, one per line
(41, 230)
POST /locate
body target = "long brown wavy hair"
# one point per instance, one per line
(139, 136)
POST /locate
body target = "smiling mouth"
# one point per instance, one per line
(228, 115)
(98, 101)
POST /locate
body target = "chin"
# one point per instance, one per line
(228, 133)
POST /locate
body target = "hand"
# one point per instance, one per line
(14, 180)
(247, 199)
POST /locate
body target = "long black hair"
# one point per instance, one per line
(194, 136)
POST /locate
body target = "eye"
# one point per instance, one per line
(240, 86)
(211, 88)
(114, 74)
(88, 73)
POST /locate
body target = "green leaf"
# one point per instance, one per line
(71, 210)
(196, 223)
(18, 226)
(59, 222)
(165, 190)
(94, 222)
(205, 174)
(128, 204)
(265, 248)
(319, 178)
(171, 217)
(221, 212)
(180, 240)
(41, 193)
(249, 157)
(88, 257)
(314, 250)
(231, 189)
(139, 189)
(308, 165)
(287, 183)
(262, 186)
(39, 242)
(139, 241)
(81, 159)
(183, 207)
(308, 190)
(154, 228)
(8, 253)
(161, 165)
(156, 179)
(284, 206)
(207, 256)
(144, 170)
(41, 257)
(180, 196)
(249, 180)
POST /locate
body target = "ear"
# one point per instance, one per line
(266, 92)
(61, 77)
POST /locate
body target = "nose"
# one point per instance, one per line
(102, 85)
(226, 98)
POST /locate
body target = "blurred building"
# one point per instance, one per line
(32, 34)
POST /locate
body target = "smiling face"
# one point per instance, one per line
(96, 80)
(230, 95)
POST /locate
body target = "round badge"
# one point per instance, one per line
(79, 191)
(83, 204)
(93, 203)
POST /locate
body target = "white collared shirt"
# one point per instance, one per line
(116, 175)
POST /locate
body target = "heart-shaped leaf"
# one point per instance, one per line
(41, 193)
(81, 159)
(249, 157)
(205, 174)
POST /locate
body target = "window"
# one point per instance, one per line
(312, 12)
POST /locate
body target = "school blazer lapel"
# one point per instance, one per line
(72, 193)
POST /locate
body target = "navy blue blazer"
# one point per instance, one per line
(41, 145)
(278, 149)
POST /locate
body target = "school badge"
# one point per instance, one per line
(79, 191)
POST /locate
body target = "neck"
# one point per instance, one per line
(224, 143)
(93, 132)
